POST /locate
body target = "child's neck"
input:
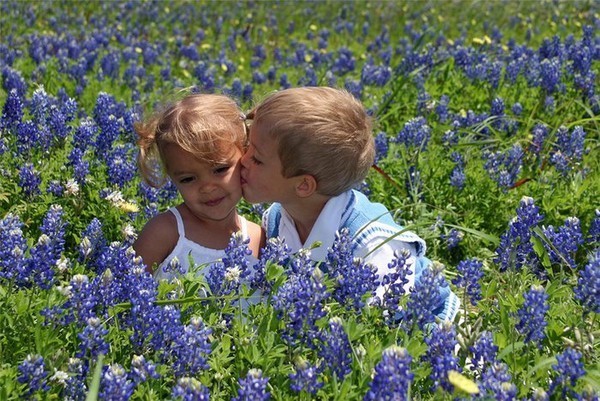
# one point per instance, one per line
(306, 213)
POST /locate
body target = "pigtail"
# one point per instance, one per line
(149, 161)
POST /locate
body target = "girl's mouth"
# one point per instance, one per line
(214, 202)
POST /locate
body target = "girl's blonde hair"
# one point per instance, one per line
(205, 125)
(321, 131)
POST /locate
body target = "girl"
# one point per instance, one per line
(197, 142)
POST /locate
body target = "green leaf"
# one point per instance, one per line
(95, 385)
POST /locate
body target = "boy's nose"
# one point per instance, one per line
(244, 160)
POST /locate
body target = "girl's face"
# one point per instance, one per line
(210, 191)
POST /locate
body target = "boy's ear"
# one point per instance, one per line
(306, 186)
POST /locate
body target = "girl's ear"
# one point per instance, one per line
(306, 186)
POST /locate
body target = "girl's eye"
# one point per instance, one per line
(255, 160)
(221, 169)
(186, 180)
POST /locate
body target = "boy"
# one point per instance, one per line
(308, 147)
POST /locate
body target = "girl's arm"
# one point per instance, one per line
(156, 240)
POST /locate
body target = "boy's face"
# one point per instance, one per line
(262, 180)
(210, 191)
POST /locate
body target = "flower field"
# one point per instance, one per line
(487, 126)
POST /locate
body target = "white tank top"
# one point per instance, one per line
(186, 248)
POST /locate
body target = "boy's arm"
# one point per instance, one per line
(156, 240)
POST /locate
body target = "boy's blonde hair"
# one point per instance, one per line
(321, 131)
(208, 126)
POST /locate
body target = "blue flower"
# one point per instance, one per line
(142, 370)
(568, 151)
(92, 339)
(392, 376)
(305, 377)
(224, 277)
(353, 278)
(115, 385)
(565, 241)
(471, 272)
(253, 387)
(440, 354)
(515, 249)
(394, 283)
(453, 238)
(12, 112)
(299, 302)
(190, 389)
(32, 372)
(504, 167)
(415, 134)
(13, 264)
(532, 315)
(484, 352)
(189, 350)
(425, 297)
(275, 251)
(381, 146)
(587, 290)
(593, 235)
(335, 350)
(569, 367)
(29, 180)
(495, 381)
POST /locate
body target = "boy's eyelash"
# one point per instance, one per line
(255, 160)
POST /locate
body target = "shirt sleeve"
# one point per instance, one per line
(383, 255)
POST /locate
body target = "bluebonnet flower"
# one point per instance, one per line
(92, 339)
(344, 63)
(392, 376)
(189, 349)
(12, 112)
(224, 277)
(354, 87)
(121, 166)
(84, 134)
(81, 167)
(29, 180)
(496, 381)
(515, 249)
(569, 368)
(381, 146)
(532, 315)
(75, 386)
(375, 75)
(441, 108)
(394, 283)
(425, 297)
(253, 387)
(565, 241)
(593, 235)
(504, 167)
(549, 104)
(305, 377)
(587, 290)
(55, 188)
(335, 350)
(299, 302)
(28, 135)
(517, 109)
(114, 384)
(32, 371)
(415, 133)
(457, 177)
(568, 151)
(485, 352)
(275, 251)
(539, 134)
(453, 238)
(12, 79)
(550, 74)
(93, 243)
(471, 272)
(190, 389)
(353, 278)
(440, 354)
(13, 264)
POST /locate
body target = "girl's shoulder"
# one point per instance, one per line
(257, 236)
